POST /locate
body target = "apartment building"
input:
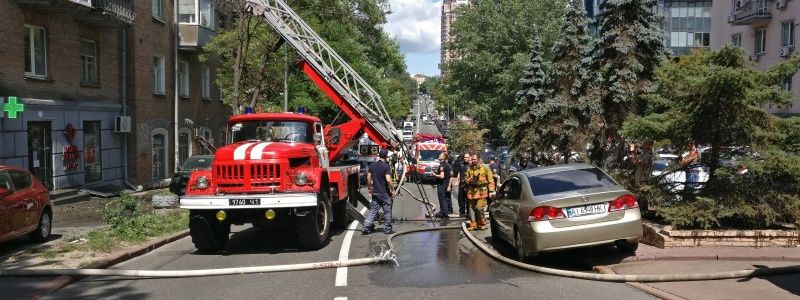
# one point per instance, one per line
(61, 84)
(162, 65)
(766, 30)
(449, 10)
(89, 89)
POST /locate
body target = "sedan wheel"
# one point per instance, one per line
(42, 231)
(518, 245)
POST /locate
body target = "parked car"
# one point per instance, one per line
(25, 206)
(668, 166)
(564, 206)
(193, 163)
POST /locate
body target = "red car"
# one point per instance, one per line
(25, 206)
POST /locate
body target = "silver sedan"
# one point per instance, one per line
(564, 206)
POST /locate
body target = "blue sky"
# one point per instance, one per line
(416, 26)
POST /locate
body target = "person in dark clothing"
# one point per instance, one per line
(494, 165)
(462, 186)
(522, 164)
(379, 183)
(445, 174)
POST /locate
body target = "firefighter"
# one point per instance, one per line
(480, 186)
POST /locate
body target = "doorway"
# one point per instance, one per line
(40, 152)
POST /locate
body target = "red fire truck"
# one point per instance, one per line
(282, 169)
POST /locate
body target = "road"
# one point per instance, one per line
(439, 264)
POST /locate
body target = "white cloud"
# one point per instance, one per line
(415, 24)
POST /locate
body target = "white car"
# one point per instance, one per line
(675, 176)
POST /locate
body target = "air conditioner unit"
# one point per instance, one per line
(122, 124)
(786, 51)
(780, 4)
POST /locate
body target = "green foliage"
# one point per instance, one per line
(716, 99)
(351, 27)
(492, 43)
(130, 223)
(465, 137)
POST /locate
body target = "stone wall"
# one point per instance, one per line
(666, 237)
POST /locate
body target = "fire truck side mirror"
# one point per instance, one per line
(317, 138)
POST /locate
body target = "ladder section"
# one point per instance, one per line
(315, 52)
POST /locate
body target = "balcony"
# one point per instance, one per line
(746, 12)
(196, 23)
(105, 13)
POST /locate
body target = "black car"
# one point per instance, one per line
(193, 163)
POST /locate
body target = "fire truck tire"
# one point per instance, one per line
(340, 216)
(314, 229)
(208, 235)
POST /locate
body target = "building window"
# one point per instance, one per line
(787, 34)
(159, 147)
(158, 9)
(184, 146)
(736, 40)
(35, 51)
(183, 79)
(206, 81)
(89, 62)
(196, 12)
(761, 41)
(158, 75)
(93, 162)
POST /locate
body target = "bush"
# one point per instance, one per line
(130, 223)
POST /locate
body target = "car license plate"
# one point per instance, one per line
(593, 209)
(244, 201)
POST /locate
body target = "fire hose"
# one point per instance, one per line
(388, 257)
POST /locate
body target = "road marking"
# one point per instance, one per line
(340, 298)
(344, 252)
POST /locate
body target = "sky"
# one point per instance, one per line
(416, 26)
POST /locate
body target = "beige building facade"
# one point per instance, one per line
(766, 30)
(449, 9)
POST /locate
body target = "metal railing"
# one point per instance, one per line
(122, 9)
(748, 11)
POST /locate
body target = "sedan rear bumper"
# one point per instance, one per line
(543, 237)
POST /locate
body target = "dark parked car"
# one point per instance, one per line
(25, 206)
(193, 163)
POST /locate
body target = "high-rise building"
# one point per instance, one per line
(766, 30)
(449, 10)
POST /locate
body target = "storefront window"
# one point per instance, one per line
(92, 152)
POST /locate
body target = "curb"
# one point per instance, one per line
(641, 286)
(108, 261)
(709, 257)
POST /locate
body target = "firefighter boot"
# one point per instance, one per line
(482, 224)
(471, 226)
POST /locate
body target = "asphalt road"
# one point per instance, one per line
(439, 264)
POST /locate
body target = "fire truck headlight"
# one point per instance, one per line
(300, 179)
(202, 183)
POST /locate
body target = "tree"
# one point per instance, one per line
(716, 98)
(629, 50)
(251, 71)
(491, 45)
(535, 88)
(465, 137)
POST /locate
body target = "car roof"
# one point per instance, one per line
(5, 167)
(555, 168)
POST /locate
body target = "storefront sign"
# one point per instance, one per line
(71, 152)
(13, 108)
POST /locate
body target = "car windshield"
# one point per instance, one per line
(197, 163)
(271, 131)
(429, 155)
(571, 180)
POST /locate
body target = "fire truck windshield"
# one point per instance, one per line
(429, 155)
(271, 131)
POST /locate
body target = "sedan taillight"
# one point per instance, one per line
(544, 213)
(623, 202)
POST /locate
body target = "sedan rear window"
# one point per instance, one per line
(571, 180)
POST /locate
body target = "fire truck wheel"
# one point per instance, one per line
(340, 216)
(314, 229)
(208, 234)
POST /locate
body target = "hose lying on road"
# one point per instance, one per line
(630, 278)
(388, 257)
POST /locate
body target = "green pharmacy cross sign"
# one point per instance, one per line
(12, 107)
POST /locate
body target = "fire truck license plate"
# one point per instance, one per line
(244, 201)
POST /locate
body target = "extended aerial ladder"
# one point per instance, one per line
(343, 85)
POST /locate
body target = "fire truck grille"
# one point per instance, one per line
(257, 174)
(265, 172)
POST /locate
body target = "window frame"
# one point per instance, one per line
(96, 63)
(183, 79)
(736, 39)
(762, 44)
(30, 43)
(157, 11)
(791, 36)
(786, 84)
(160, 83)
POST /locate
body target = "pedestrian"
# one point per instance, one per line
(522, 163)
(690, 162)
(643, 160)
(480, 186)
(379, 184)
(445, 175)
(462, 186)
(494, 165)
